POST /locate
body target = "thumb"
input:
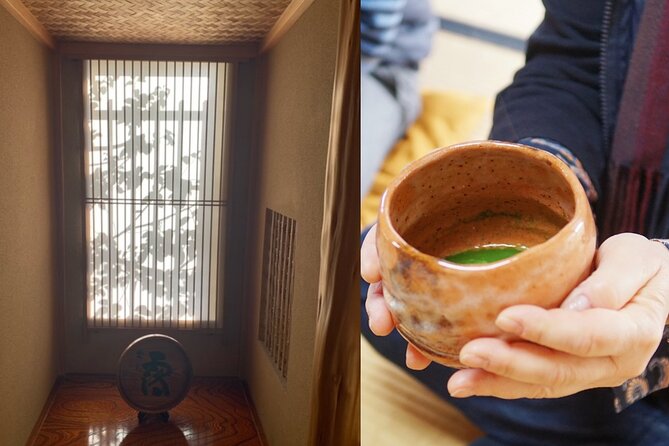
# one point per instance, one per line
(623, 265)
(369, 259)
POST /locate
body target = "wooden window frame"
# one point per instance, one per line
(112, 321)
(71, 273)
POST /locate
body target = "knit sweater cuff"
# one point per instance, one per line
(568, 158)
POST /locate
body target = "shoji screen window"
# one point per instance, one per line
(155, 166)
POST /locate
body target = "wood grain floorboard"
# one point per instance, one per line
(88, 410)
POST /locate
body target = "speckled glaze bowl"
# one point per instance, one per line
(468, 195)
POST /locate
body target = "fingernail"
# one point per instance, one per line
(473, 360)
(578, 302)
(461, 392)
(505, 323)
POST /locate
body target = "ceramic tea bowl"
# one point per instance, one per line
(470, 195)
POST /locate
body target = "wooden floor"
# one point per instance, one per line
(88, 410)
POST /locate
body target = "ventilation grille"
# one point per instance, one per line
(277, 288)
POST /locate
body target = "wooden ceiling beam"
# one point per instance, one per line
(290, 15)
(29, 22)
(141, 51)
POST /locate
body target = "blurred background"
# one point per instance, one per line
(479, 46)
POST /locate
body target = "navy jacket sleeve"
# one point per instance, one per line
(556, 94)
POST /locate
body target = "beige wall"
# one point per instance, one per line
(28, 351)
(290, 170)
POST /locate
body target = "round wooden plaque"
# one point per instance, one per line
(154, 374)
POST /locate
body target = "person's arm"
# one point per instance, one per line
(568, 158)
(380, 22)
(619, 312)
(395, 32)
(554, 105)
(555, 96)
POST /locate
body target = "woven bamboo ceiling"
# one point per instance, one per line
(158, 21)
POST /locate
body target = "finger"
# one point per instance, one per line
(616, 279)
(470, 382)
(533, 364)
(415, 360)
(369, 259)
(380, 320)
(589, 333)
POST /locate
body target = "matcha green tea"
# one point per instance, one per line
(485, 254)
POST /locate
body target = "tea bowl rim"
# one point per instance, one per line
(581, 203)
